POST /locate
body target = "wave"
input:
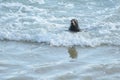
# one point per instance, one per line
(90, 37)
(48, 22)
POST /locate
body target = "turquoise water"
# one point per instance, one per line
(47, 21)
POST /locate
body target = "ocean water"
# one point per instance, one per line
(46, 21)
(33, 61)
(35, 43)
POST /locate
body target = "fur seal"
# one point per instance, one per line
(74, 27)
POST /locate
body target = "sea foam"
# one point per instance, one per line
(48, 21)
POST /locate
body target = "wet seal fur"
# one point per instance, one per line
(74, 27)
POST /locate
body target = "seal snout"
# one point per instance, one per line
(73, 22)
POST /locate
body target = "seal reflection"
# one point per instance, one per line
(72, 52)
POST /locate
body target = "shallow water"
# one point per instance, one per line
(35, 43)
(33, 61)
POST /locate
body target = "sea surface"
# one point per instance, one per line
(35, 43)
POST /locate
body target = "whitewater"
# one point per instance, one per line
(48, 21)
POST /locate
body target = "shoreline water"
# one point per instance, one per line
(35, 43)
(33, 61)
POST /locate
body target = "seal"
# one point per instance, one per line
(74, 27)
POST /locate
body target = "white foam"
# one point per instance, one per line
(37, 1)
(57, 39)
(67, 5)
(46, 24)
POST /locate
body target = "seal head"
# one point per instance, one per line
(74, 27)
